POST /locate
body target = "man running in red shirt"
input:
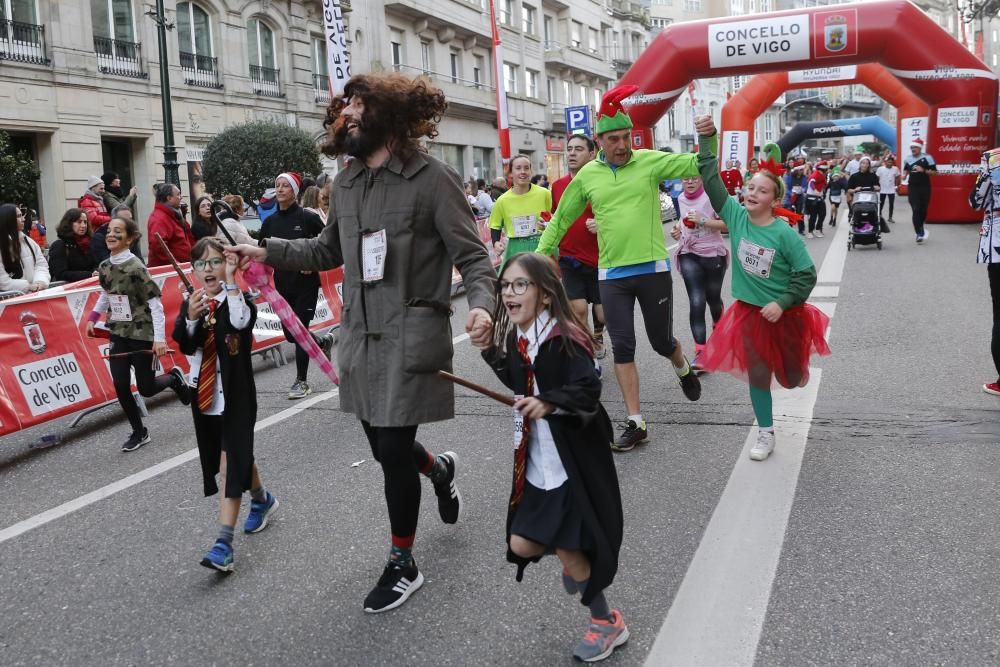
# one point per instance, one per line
(578, 249)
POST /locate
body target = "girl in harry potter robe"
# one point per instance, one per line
(565, 496)
(215, 330)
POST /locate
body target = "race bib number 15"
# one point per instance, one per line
(755, 259)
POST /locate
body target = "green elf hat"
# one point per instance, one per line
(611, 116)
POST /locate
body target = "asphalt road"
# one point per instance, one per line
(888, 555)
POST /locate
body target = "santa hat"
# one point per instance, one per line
(822, 165)
(92, 181)
(294, 179)
(918, 142)
(611, 116)
(268, 195)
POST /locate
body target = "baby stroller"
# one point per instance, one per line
(866, 227)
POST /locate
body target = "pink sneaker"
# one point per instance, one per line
(602, 638)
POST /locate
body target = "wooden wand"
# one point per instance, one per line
(177, 267)
(496, 396)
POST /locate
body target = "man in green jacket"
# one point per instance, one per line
(622, 188)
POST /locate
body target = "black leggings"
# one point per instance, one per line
(881, 202)
(993, 270)
(146, 382)
(402, 459)
(703, 278)
(817, 213)
(919, 198)
(654, 293)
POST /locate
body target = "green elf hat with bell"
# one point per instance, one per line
(611, 116)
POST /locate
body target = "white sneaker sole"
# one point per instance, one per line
(990, 391)
(414, 587)
(759, 455)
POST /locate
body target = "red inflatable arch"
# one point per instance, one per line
(959, 90)
(754, 98)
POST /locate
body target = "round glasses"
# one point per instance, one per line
(518, 286)
(202, 264)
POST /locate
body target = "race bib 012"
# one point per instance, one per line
(120, 308)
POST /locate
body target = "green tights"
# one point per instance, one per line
(762, 406)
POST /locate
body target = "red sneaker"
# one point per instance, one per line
(992, 388)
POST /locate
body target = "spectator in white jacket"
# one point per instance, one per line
(23, 267)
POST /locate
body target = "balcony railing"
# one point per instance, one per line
(118, 57)
(321, 86)
(23, 42)
(265, 81)
(200, 71)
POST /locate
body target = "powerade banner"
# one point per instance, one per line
(840, 127)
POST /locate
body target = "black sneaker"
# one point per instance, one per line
(180, 386)
(396, 584)
(632, 435)
(136, 440)
(449, 499)
(691, 385)
(326, 344)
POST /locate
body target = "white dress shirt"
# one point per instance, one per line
(545, 468)
(239, 318)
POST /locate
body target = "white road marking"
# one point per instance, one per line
(718, 614)
(48, 516)
(825, 292)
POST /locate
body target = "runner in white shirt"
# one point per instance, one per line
(888, 181)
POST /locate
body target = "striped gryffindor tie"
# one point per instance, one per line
(206, 376)
(521, 453)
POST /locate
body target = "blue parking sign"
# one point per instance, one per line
(578, 120)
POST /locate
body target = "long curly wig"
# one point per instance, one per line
(399, 111)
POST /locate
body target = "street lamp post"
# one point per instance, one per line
(170, 166)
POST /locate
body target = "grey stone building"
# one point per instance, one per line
(80, 89)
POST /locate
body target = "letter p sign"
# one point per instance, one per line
(578, 120)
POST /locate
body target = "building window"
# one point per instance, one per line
(550, 89)
(456, 66)
(575, 34)
(584, 93)
(692, 5)
(531, 83)
(528, 19)
(482, 163)
(507, 12)
(566, 94)
(112, 18)
(396, 48)
(478, 69)
(114, 36)
(263, 63)
(549, 28)
(425, 56)
(450, 154)
(510, 77)
(598, 94)
(592, 36)
(196, 48)
(321, 72)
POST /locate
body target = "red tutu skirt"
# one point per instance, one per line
(749, 347)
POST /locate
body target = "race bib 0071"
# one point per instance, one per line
(756, 260)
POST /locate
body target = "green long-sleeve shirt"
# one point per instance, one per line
(626, 205)
(770, 262)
